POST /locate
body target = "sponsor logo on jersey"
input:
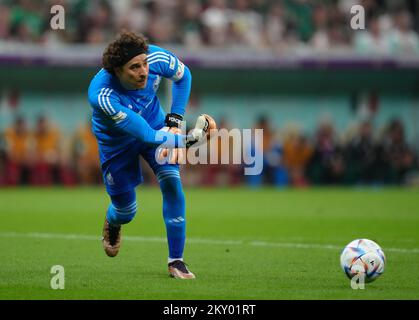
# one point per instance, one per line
(179, 72)
(119, 116)
(156, 83)
(172, 63)
(109, 179)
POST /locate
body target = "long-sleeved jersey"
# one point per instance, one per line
(121, 116)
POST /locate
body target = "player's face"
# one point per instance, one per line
(134, 73)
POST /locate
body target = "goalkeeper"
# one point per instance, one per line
(127, 121)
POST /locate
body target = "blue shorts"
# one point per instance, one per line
(122, 173)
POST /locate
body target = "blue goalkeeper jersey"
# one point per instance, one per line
(121, 117)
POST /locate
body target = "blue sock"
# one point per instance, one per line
(122, 209)
(173, 211)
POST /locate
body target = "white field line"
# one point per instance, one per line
(68, 236)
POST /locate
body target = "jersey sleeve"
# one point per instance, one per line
(165, 63)
(107, 102)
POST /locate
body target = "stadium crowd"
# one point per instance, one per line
(44, 156)
(359, 156)
(392, 26)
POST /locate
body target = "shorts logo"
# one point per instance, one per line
(172, 63)
(109, 179)
(119, 116)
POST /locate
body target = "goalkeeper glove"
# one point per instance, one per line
(173, 120)
(203, 125)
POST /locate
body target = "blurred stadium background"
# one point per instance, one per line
(338, 106)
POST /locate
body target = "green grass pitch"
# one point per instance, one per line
(241, 244)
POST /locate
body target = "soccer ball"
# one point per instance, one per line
(363, 256)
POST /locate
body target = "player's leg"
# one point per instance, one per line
(121, 175)
(173, 213)
(174, 218)
(122, 210)
(173, 210)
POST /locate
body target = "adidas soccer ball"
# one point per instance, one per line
(363, 256)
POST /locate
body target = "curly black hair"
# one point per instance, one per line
(115, 54)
